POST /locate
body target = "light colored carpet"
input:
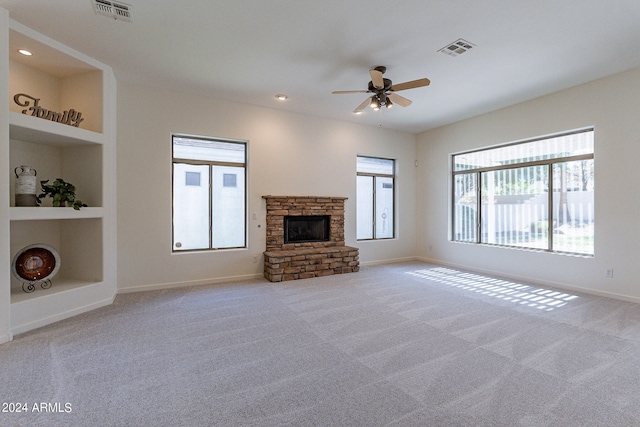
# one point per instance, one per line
(407, 344)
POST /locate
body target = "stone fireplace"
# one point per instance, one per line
(305, 238)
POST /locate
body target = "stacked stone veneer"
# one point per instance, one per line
(302, 260)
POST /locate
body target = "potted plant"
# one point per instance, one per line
(62, 193)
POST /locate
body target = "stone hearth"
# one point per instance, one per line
(301, 260)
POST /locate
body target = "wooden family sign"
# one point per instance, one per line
(69, 117)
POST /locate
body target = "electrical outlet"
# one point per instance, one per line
(255, 258)
(608, 272)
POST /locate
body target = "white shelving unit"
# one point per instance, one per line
(85, 239)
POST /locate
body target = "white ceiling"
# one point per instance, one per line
(250, 50)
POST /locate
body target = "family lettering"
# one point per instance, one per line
(70, 117)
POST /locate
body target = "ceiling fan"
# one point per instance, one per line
(384, 91)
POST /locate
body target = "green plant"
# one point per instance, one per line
(61, 192)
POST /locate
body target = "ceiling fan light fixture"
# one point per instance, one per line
(388, 103)
(375, 104)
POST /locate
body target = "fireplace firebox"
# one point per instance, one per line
(306, 228)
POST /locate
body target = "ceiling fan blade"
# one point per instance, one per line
(339, 92)
(410, 85)
(376, 78)
(364, 105)
(400, 100)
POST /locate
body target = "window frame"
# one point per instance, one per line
(392, 176)
(209, 184)
(477, 172)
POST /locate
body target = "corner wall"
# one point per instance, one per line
(289, 154)
(612, 106)
(5, 269)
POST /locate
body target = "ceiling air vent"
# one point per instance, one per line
(456, 48)
(112, 9)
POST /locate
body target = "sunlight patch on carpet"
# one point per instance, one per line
(517, 293)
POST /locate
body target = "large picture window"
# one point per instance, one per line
(537, 194)
(209, 193)
(375, 198)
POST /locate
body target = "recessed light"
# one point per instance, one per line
(281, 97)
(25, 52)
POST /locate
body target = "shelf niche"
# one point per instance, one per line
(61, 82)
(79, 243)
(80, 165)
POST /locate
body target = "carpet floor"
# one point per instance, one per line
(407, 344)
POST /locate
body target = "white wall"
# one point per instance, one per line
(5, 295)
(612, 106)
(289, 154)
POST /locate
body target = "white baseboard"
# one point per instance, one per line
(388, 261)
(535, 281)
(170, 285)
(6, 338)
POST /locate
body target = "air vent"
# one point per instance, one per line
(456, 48)
(112, 9)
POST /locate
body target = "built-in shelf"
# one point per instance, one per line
(23, 127)
(57, 285)
(46, 213)
(61, 79)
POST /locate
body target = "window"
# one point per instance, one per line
(537, 194)
(229, 180)
(209, 193)
(375, 198)
(192, 178)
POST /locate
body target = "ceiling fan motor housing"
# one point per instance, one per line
(387, 86)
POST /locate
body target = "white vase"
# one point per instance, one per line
(25, 186)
